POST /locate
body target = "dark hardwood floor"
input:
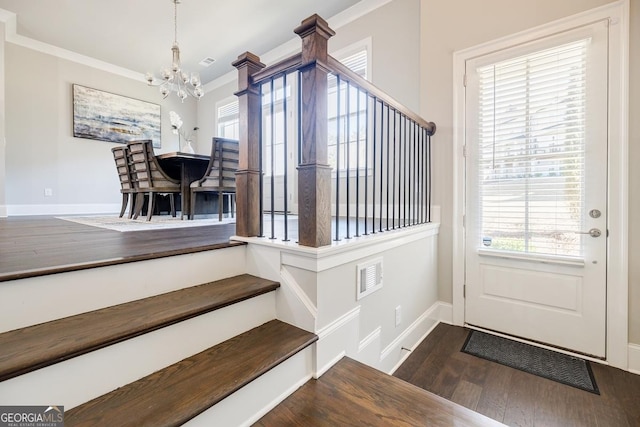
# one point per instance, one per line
(353, 394)
(39, 245)
(516, 398)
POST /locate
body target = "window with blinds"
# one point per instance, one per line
(531, 152)
(228, 120)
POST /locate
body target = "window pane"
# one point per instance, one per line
(532, 151)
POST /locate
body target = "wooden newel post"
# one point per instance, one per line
(248, 174)
(314, 172)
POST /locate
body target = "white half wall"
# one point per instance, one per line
(319, 293)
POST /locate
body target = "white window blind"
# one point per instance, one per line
(228, 120)
(531, 152)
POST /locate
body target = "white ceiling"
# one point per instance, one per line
(138, 34)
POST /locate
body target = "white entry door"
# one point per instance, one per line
(535, 190)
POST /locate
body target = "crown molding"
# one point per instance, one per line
(11, 36)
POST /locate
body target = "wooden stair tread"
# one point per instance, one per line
(33, 347)
(352, 393)
(175, 394)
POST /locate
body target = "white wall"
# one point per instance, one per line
(41, 151)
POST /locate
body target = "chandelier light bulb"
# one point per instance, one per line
(195, 80)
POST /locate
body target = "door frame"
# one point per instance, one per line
(617, 204)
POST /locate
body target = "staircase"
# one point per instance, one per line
(165, 354)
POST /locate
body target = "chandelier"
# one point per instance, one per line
(174, 78)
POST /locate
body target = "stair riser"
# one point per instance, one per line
(85, 377)
(36, 300)
(251, 402)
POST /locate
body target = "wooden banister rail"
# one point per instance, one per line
(346, 74)
(283, 67)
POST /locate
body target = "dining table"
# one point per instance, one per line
(186, 167)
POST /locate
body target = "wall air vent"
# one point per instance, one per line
(369, 277)
(207, 61)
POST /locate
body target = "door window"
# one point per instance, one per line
(531, 118)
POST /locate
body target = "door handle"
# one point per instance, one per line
(594, 232)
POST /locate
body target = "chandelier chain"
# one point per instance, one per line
(175, 21)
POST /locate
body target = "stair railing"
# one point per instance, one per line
(367, 167)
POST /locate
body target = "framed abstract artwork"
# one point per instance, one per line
(115, 118)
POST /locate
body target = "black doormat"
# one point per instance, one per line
(545, 363)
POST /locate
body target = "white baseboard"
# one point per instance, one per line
(445, 312)
(62, 209)
(3, 211)
(634, 358)
(439, 312)
(396, 352)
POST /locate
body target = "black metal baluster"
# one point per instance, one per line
(366, 163)
(382, 108)
(348, 154)
(416, 173)
(408, 172)
(273, 159)
(387, 170)
(420, 175)
(412, 169)
(358, 163)
(299, 107)
(395, 168)
(337, 238)
(373, 176)
(429, 177)
(404, 172)
(261, 167)
(286, 156)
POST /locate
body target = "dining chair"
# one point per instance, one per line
(150, 178)
(127, 186)
(220, 176)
